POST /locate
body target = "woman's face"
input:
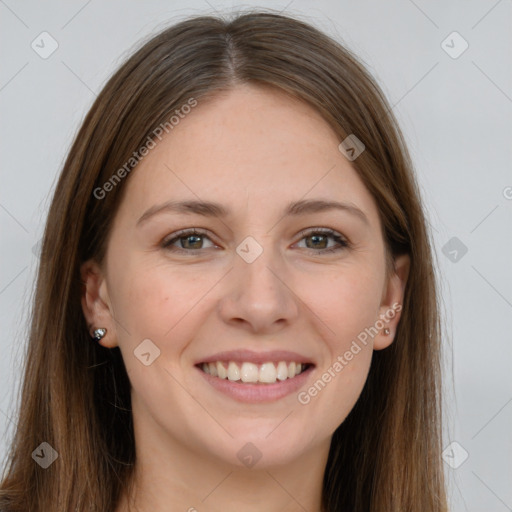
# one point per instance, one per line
(263, 273)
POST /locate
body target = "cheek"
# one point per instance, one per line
(347, 306)
(341, 384)
(151, 302)
(156, 301)
(347, 303)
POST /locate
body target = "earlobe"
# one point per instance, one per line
(95, 303)
(392, 302)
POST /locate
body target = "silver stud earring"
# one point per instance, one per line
(99, 333)
(386, 331)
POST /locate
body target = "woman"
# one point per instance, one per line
(236, 304)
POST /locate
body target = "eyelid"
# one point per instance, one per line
(173, 237)
(323, 230)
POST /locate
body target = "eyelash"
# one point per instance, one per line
(340, 240)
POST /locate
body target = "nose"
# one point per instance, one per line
(259, 297)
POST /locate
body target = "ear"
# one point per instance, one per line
(392, 301)
(96, 303)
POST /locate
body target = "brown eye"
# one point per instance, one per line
(191, 241)
(319, 240)
(187, 241)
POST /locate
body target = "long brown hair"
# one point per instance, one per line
(76, 394)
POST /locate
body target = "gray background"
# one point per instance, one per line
(455, 114)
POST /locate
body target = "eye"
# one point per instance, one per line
(317, 239)
(188, 240)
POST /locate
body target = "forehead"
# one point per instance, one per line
(248, 144)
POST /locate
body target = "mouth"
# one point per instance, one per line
(250, 373)
(249, 382)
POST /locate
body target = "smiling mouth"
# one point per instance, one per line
(250, 373)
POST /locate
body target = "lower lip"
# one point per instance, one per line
(254, 393)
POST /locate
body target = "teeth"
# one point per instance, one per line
(233, 371)
(222, 373)
(250, 372)
(267, 372)
(282, 371)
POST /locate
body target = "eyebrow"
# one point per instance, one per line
(212, 209)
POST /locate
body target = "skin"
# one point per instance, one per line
(254, 150)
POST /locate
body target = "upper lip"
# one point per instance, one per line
(256, 357)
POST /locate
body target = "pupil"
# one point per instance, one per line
(198, 239)
(316, 237)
